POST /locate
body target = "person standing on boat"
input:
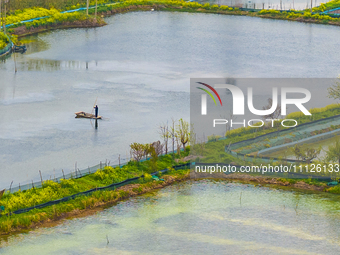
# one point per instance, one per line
(96, 111)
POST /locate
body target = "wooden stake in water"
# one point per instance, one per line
(4, 18)
(240, 197)
(119, 160)
(0, 14)
(10, 187)
(41, 179)
(15, 62)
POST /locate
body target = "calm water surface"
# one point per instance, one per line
(138, 68)
(197, 217)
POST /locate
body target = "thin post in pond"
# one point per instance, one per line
(63, 173)
(41, 179)
(10, 187)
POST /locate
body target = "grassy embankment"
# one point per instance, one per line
(54, 19)
(20, 11)
(102, 177)
(213, 151)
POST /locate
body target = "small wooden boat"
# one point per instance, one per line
(86, 115)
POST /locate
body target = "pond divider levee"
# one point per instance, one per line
(88, 192)
(251, 149)
(314, 138)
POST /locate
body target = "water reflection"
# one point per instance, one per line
(48, 65)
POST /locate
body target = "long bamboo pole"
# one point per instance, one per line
(311, 6)
(4, 23)
(0, 15)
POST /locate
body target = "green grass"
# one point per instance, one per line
(97, 198)
(102, 177)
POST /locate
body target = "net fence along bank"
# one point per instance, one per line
(69, 174)
(88, 192)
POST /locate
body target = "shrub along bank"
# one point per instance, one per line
(55, 18)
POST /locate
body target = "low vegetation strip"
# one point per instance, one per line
(52, 17)
(91, 191)
(52, 190)
(85, 204)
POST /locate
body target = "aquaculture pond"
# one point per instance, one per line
(286, 152)
(137, 70)
(197, 217)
